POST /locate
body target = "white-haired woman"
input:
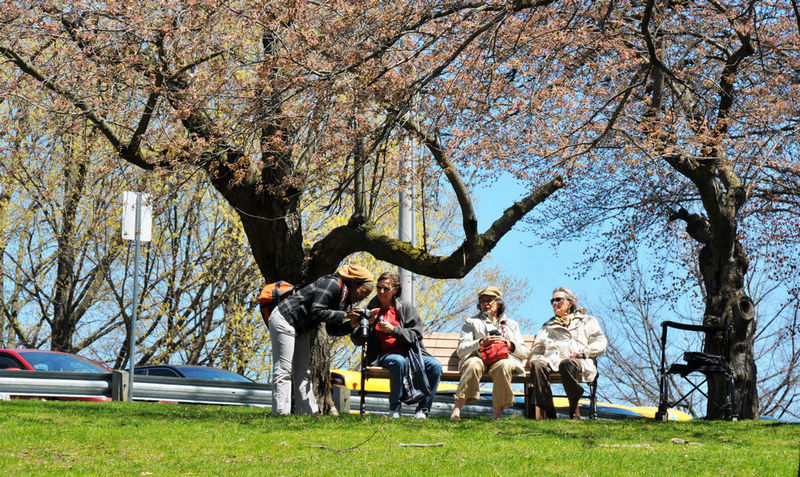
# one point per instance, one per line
(567, 343)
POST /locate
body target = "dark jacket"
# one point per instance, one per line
(323, 301)
(409, 331)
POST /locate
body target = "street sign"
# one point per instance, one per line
(129, 216)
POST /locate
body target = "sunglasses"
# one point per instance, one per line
(383, 289)
(553, 301)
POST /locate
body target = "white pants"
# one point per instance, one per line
(291, 354)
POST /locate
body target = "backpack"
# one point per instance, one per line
(271, 295)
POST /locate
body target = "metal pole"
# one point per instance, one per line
(132, 344)
(405, 226)
(363, 378)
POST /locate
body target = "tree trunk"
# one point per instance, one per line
(64, 317)
(723, 264)
(727, 304)
(321, 370)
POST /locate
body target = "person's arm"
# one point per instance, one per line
(517, 345)
(596, 340)
(537, 349)
(411, 331)
(324, 301)
(468, 343)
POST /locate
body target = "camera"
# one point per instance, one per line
(494, 333)
(363, 324)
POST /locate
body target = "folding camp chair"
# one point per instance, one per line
(695, 362)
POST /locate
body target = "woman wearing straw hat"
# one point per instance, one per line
(291, 327)
(490, 325)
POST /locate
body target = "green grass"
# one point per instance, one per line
(61, 438)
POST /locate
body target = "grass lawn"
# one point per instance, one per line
(117, 438)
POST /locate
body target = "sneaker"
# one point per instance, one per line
(394, 414)
(420, 415)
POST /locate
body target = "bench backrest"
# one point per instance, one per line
(442, 346)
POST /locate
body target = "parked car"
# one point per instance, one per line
(44, 360)
(190, 371)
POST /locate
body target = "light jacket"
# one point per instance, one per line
(554, 343)
(478, 327)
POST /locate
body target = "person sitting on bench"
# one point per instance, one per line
(394, 326)
(490, 325)
(567, 343)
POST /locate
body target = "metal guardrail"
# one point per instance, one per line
(50, 384)
(55, 384)
(201, 391)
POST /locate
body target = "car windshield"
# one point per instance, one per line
(213, 374)
(61, 362)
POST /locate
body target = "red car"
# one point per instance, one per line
(43, 360)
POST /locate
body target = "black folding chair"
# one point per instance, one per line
(705, 364)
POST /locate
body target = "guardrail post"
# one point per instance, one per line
(341, 399)
(119, 385)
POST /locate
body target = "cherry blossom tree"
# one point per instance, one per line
(655, 112)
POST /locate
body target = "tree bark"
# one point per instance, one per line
(64, 318)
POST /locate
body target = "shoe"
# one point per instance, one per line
(394, 414)
(420, 415)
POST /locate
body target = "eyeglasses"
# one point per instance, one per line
(559, 299)
(383, 289)
(486, 300)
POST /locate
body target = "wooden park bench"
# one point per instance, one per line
(442, 346)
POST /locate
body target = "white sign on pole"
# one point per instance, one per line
(129, 217)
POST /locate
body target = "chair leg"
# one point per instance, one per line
(734, 416)
(593, 398)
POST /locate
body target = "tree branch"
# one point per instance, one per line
(469, 221)
(351, 238)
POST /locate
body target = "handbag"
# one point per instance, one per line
(494, 352)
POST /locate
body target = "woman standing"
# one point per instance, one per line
(490, 325)
(395, 330)
(291, 326)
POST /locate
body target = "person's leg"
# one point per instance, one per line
(468, 389)
(433, 370)
(570, 370)
(502, 395)
(398, 367)
(542, 395)
(304, 400)
(282, 335)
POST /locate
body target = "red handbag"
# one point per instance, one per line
(494, 352)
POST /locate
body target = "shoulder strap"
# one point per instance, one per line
(343, 297)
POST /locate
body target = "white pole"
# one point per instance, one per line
(405, 226)
(132, 344)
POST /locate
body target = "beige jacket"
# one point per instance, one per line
(554, 343)
(478, 327)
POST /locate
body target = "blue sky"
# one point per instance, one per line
(544, 267)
